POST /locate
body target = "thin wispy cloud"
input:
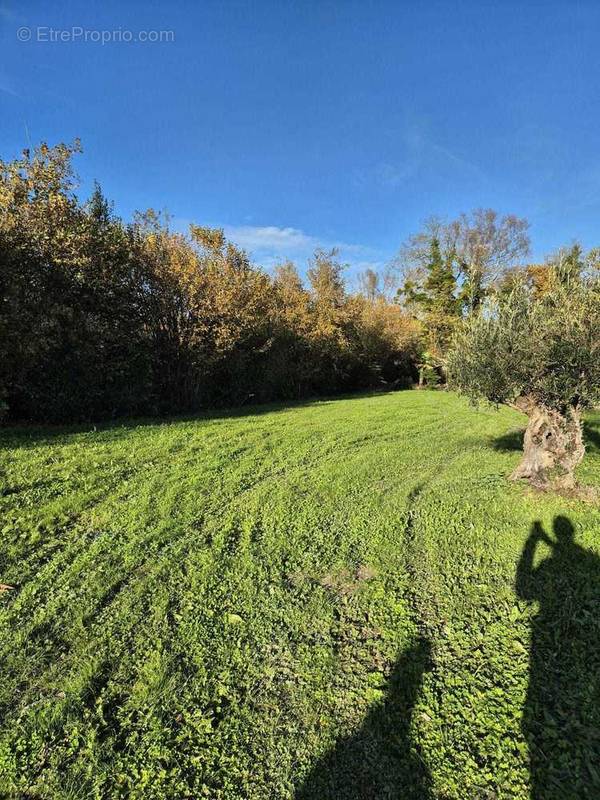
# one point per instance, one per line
(8, 14)
(270, 244)
(271, 238)
(6, 87)
(393, 175)
(419, 153)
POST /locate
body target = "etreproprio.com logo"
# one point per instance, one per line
(75, 34)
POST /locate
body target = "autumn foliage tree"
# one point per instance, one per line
(71, 319)
(100, 318)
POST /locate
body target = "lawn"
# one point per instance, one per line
(329, 600)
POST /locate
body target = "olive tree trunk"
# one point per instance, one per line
(552, 446)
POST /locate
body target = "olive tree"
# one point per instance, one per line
(541, 355)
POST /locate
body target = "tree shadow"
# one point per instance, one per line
(509, 442)
(23, 434)
(561, 718)
(379, 762)
(513, 440)
(591, 436)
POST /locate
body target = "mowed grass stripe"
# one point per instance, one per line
(208, 607)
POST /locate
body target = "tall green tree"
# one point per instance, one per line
(440, 283)
(482, 245)
(433, 298)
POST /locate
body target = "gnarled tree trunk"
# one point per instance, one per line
(552, 446)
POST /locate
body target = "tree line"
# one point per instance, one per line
(101, 318)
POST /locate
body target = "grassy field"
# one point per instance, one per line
(334, 599)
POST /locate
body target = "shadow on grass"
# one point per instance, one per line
(591, 436)
(35, 434)
(509, 442)
(512, 441)
(379, 761)
(561, 718)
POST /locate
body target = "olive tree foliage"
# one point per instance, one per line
(540, 353)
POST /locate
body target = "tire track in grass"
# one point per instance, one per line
(427, 615)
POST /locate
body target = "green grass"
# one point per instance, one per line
(313, 601)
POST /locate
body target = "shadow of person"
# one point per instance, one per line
(379, 762)
(561, 718)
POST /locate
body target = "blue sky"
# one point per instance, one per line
(296, 125)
